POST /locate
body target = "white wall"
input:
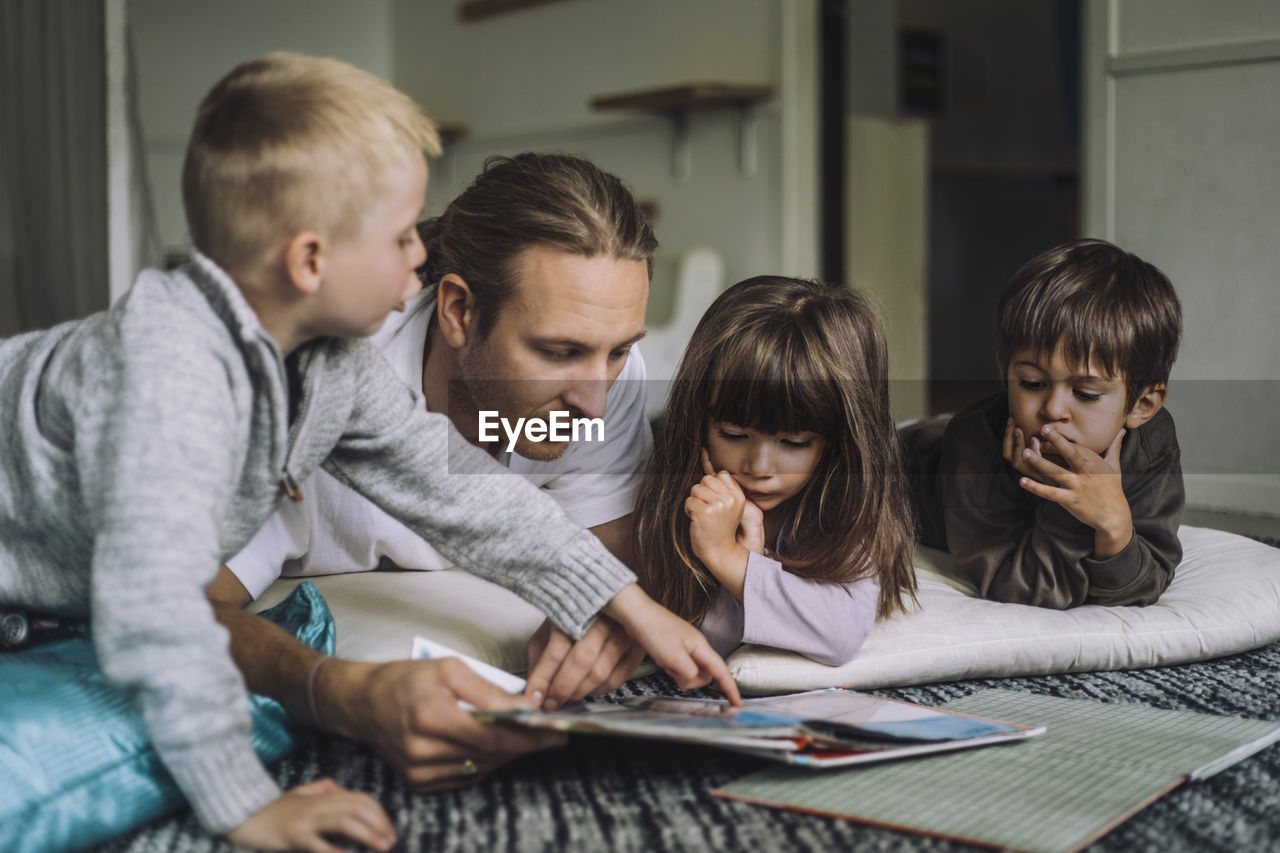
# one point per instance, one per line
(523, 81)
(887, 169)
(1181, 168)
(183, 47)
(535, 70)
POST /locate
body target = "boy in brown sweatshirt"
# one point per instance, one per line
(1067, 488)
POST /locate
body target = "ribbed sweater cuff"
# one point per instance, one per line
(224, 782)
(1118, 572)
(588, 578)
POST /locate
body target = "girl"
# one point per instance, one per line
(775, 509)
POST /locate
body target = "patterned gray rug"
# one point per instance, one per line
(620, 795)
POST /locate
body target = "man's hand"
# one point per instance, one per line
(674, 644)
(299, 820)
(1090, 488)
(409, 711)
(564, 671)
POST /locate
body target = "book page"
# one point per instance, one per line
(1097, 764)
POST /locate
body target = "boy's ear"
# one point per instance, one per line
(304, 261)
(455, 310)
(1151, 401)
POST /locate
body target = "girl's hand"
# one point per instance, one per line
(751, 527)
(751, 530)
(674, 644)
(299, 819)
(716, 508)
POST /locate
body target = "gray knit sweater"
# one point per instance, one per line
(144, 445)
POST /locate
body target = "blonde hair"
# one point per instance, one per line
(785, 355)
(288, 142)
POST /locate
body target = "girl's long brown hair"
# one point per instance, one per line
(785, 355)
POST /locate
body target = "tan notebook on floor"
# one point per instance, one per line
(1097, 764)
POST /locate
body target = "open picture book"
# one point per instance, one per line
(821, 728)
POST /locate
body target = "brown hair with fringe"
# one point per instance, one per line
(1099, 303)
(785, 355)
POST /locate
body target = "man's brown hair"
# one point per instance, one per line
(553, 200)
(1099, 303)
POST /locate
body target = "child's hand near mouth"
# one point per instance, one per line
(1086, 485)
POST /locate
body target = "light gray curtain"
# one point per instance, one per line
(53, 162)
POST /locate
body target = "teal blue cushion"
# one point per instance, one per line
(76, 767)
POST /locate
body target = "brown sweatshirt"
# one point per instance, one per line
(1016, 547)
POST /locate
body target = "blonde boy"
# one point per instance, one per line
(146, 444)
(1066, 489)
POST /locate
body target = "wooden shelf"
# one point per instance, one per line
(685, 97)
(680, 100)
(474, 10)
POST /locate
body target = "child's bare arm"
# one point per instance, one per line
(301, 818)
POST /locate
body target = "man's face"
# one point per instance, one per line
(559, 342)
(1083, 404)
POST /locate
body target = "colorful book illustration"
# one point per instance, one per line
(821, 728)
(1097, 765)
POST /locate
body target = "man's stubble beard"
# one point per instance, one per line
(482, 392)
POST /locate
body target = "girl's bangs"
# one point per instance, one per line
(770, 388)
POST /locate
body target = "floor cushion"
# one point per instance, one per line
(76, 767)
(379, 613)
(1225, 598)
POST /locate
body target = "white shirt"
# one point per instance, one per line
(335, 530)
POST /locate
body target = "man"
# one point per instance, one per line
(536, 282)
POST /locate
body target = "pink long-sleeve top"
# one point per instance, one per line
(826, 622)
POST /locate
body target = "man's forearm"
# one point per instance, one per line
(273, 662)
